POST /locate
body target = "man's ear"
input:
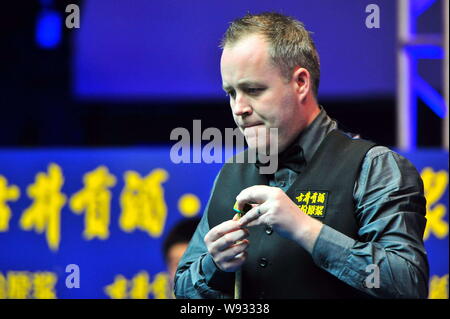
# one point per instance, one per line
(302, 80)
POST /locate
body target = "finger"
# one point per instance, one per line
(230, 239)
(233, 252)
(220, 230)
(240, 255)
(236, 263)
(254, 194)
(252, 215)
(257, 222)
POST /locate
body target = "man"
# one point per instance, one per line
(175, 244)
(340, 218)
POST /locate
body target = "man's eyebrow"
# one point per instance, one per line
(226, 87)
(243, 84)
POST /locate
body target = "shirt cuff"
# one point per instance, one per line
(215, 277)
(331, 250)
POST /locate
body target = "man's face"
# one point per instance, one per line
(173, 258)
(260, 97)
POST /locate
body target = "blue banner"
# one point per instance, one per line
(99, 214)
(83, 223)
(433, 167)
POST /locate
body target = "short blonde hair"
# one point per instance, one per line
(290, 43)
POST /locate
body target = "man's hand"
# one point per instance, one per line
(227, 244)
(274, 208)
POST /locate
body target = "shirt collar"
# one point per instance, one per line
(313, 135)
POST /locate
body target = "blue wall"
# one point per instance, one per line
(169, 49)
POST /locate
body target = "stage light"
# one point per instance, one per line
(48, 29)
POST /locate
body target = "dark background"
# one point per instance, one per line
(39, 109)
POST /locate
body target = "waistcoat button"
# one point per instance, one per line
(263, 262)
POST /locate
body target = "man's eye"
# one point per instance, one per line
(254, 91)
(230, 93)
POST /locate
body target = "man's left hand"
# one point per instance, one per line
(271, 206)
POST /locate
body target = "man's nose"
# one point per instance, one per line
(241, 105)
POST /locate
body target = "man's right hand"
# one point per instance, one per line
(227, 244)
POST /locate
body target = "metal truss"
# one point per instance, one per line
(413, 46)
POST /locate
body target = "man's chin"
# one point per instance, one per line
(261, 143)
(258, 147)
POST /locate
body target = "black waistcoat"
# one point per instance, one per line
(277, 267)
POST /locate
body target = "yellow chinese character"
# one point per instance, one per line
(311, 209)
(319, 210)
(3, 287)
(18, 285)
(438, 287)
(304, 208)
(435, 184)
(10, 193)
(300, 198)
(142, 202)
(160, 287)
(314, 197)
(140, 286)
(44, 285)
(321, 198)
(95, 200)
(306, 198)
(118, 289)
(45, 212)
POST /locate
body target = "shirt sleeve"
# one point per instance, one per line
(197, 274)
(388, 260)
